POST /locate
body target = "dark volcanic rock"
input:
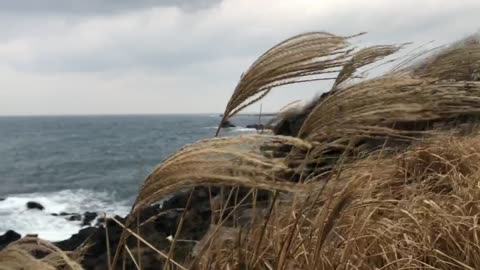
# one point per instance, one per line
(8, 237)
(75, 217)
(158, 223)
(35, 205)
(77, 239)
(95, 256)
(227, 124)
(2, 199)
(88, 217)
(290, 124)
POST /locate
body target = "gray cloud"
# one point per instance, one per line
(95, 6)
(150, 56)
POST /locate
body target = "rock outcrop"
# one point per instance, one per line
(8, 237)
(158, 224)
(227, 124)
(35, 205)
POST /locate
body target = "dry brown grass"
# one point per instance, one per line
(389, 107)
(459, 62)
(406, 205)
(412, 204)
(32, 253)
(416, 210)
(305, 57)
(233, 161)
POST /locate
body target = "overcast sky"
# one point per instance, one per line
(166, 56)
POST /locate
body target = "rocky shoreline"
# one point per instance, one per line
(158, 224)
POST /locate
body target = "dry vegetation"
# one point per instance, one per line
(31, 253)
(413, 210)
(384, 172)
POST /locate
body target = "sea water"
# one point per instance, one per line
(76, 164)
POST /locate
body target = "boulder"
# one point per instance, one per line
(35, 205)
(227, 124)
(2, 199)
(8, 237)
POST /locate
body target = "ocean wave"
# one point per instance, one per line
(234, 129)
(243, 129)
(15, 216)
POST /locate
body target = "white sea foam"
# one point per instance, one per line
(242, 130)
(14, 214)
(235, 129)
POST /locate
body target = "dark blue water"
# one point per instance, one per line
(79, 163)
(94, 152)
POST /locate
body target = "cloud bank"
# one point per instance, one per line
(118, 57)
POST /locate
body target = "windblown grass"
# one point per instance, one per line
(233, 161)
(31, 253)
(401, 192)
(382, 173)
(305, 57)
(415, 210)
(395, 107)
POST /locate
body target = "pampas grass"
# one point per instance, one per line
(415, 210)
(304, 57)
(402, 190)
(32, 253)
(406, 205)
(233, 161)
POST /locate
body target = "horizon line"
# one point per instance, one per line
(126, 114)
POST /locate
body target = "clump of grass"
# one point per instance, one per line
(305, 57)
(221, 161)
(410, 204)
(414, 210)
(32, 253)
(234, 161)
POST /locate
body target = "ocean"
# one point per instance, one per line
(76, 164)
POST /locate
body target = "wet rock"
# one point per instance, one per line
(158, 222)
(75, 217)
(88, 217)
(35, 205)
(227, 124)
(76, 240)
(8, 237)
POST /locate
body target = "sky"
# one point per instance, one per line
(70, 57)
